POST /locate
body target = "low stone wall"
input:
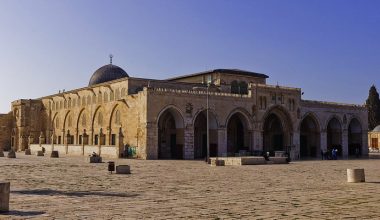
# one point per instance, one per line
(77, 150)
(238, 161)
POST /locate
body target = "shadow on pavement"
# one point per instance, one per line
(21, 213)
(50, 192)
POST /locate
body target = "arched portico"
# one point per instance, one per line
(200, 135)
(237, 133)
(277, 130)
(309, 137)
(354, 137)
(334, 135)
(170, 134)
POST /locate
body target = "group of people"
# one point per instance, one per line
(326, 156)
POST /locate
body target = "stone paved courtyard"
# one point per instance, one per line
(69, 188)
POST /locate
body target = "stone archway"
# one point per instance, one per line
(277, 131)
(334, 135)
(200, 135)
(170, 135)
(354, 138)
(237, 134)
(309, 138)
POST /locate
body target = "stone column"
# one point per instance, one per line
(108, 137)
(91, 137)
(68, 137)
(364, 149)
(258, 140)
(22, 143)
(63, 137)
(30, 140)
(41, 139)
(345, 143)
(119, 142)
(323, 141)
(295, 149)
(84, 140)
(76, 137)
(152, 141)
(52, 141)
(222, 142)
(100, 136)
(189, 142)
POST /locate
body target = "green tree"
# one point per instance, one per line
(373, 106)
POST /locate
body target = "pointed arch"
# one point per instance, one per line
(244, 113)
(170, 124)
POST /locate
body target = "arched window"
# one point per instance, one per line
(100, 119)
(88, 100)
(235, 87)
(70, 121)
(94, 99)
(105, 97)
(99, 98)
(69, 103)
(78, 102)
(84, 120)
(112, 96)
(65, 104)
(83, 101)
(60, 105)
(243, 87)
(122, 92)
(117, 117)
(117, 94)
(57, 122)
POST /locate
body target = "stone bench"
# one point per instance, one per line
(216, 162)
(40, 153)
(355, 175)
(28, 152)
(4, 196)
(94, 159)
(11, 154)
(278, 160)
(54, 154)
(123, 169)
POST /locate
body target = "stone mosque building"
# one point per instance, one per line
(166, 119)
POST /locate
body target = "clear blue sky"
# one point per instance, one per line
(329, 48)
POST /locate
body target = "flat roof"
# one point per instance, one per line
(227, 71)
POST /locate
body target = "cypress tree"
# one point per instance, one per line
(373, 106)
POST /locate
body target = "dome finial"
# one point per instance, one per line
(111, 56)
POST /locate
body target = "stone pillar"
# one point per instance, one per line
(189, 143)
(84, 140)
(323, 141)
(100, 141)
(52, 141)
(4, 196)
(345, 143)
(76, 137)
(41, 139)
(67, 141)
(295, 146)
(30, 140)
(22, 143)
(91, 137)
(119, 143)
(365, 146)
(108, 137)
(63, 137)
(222, 142)
(258, 140)
(152, 141)
(251, 144)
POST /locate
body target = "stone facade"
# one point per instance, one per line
(168, 118)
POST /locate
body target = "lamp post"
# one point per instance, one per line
(207, 127)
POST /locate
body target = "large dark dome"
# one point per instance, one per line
(107, 73)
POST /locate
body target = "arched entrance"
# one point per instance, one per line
(200, 135)
(334, 136)
(237, 134)
(309, 138)
(354, 138)
(277, 132)
(170, 135)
